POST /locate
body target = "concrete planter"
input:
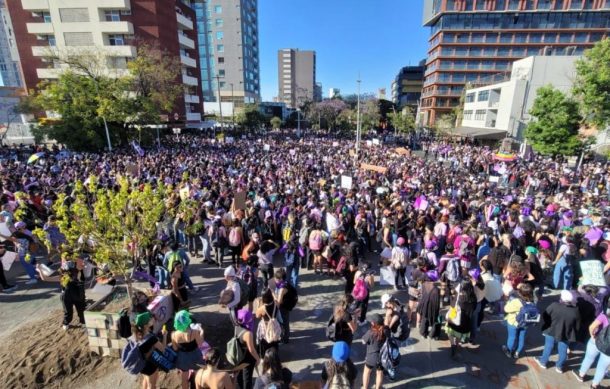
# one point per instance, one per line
(102, 327)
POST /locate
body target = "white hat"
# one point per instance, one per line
(230, 271)
(384, 299)
(566, 296)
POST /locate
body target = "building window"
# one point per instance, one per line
(219, 35)
(46, 16)
(219, 22)
(220, 48)
(116, 40)
(222, 84)
(51, 40)
(112, 15)
(218, 9)
(468, 114)
(479, 114)
(483, 95)
(221, 72)
(221, 59)
(470, 97)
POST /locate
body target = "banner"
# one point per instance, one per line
(592, 273)
(266, 147)
(346, 182)
(375, 168)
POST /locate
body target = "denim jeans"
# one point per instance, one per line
(28, 266)
(549, 345)
(515, 334)
(187, 278)
(562, 275)
(602, 364)
(292, 268)
(205, 248)
(474, 320)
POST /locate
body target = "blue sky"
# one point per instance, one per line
(373, 37)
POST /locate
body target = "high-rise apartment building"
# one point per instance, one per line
(296, 76)
(228, 50)
(476, 41)
(113, 28)
(10, 74)
(407, 86)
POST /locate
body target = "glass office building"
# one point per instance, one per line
(476, 41)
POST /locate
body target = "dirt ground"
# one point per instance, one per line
(43, 355)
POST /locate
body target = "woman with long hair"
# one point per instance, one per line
(210, 377)
(147, 343)
(374, 339)
(273, 371)
(339, 370)
(245, 332)
(186, 342)
(458, 326)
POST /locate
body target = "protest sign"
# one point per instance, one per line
(335, 144)
(346, 182)
(292, 152)
(322, 182)
(592, 273)
(495, 179)
(375, 168)
(8, 259)
(229, 139)
(376, 142)
(266, 147)
(184, 193)
(369, 143)
(239, 201)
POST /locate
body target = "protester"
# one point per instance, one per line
(210, 376)
(244, 331)
(234, 305)
(147, 343)
(339, 371)
(373, 339)
(460, 315)
(272, 373)
(516, 332)
(593, 352)
(186, 342)
(428, 309)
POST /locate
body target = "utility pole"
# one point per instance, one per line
(358, 120)
(232, 108)
(219, 102)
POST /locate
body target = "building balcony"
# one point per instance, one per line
(116, 27)
(494, 104)
(40, 28)
(193, 117)
(46, 73)
(188, 80)
(184, 22)
(35, 5)
(44, 51)
(188, 61)
(193, 99)
(185, 41)
(120, 51)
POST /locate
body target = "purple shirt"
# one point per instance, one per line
(594, 235)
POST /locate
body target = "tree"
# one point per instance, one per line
(445, 123)
(275, 122)
(250, 117)
(554, 129)
(328, 111)
(370, 114)
(403, 121)
(592, 84)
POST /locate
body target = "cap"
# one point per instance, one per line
(587, 222)
(340, 352)
(430, 244)
(375, 318)
(385, 298)
(531, 250)
(400, 241)
(545, 244)
(19, 225)
(244, 317)
(182, 321)
(474, 273)
(566, 296)
(143, 318)
(230, 271)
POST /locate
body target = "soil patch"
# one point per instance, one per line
(43, 355)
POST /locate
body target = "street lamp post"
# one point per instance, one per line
(358, 121)
(232, 108)
(219, 101)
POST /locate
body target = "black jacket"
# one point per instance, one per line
(562, 322)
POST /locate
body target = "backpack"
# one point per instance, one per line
(244, 291)
(235, 350)
(124, 325)
(303, 235)
(360, 291)
(404, 328)
(331, 329)
(338, 381)
(390, 354)
(452, 272)
(132, 359)
(291, 298)
(528, 315)
(272, 329)
(287, 233)
(315, 240)
(602, 340)
(234, 237)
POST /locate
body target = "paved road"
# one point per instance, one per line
(425, 363)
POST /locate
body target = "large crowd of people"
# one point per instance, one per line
(459, 230)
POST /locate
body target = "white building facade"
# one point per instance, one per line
(499, 110)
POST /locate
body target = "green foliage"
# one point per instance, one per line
(403, 121)
(250, 117)
(115, 226)
(592, 84)
(370, 115)
(555, 128)
(445, 123)
(275, 122)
